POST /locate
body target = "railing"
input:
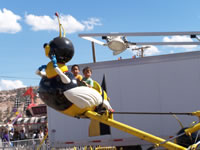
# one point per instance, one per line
(30, 144)
(38, 144)
(87, 148)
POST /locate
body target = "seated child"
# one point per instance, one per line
(75, 69)
(87, 80)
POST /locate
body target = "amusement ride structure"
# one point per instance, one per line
(51, 87)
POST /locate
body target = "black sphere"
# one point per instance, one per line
(62, 48)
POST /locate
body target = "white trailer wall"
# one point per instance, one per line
(167, 83)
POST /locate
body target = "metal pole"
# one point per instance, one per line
(152, 113)
(93, 52)
(136, 132)
(142, 52)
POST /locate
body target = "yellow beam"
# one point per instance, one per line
(136, 132)
(193, 129)
(45, 137)
(196, 113)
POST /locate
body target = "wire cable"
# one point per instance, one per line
(153, 113)
(18, 77)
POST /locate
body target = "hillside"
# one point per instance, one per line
(8, 102)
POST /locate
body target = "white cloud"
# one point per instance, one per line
(179, 39)
(69, 23)
(91, 22)
(41, 22)
(9, 84)
(152, 50)
(9, 21)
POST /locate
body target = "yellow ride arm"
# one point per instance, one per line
(136, 132)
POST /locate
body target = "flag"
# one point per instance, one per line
(103, 84)
(16, 105)
(104, 129)
(29, 91)
(28, 102)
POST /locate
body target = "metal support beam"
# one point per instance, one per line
(93, 52)
(136, 132)
(140, 34)
(167, 43)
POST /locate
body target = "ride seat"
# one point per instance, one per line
(97, 86)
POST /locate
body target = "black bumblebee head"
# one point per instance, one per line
(61, 47)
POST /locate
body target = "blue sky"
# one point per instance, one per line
(26, 25)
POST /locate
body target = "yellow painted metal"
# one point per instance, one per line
(136, 132)
(94, 128)
(45, 137)
(88, 148)
(193, 129)
(196, 113)
(106, 148)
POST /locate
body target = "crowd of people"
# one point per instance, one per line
(14, 136)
